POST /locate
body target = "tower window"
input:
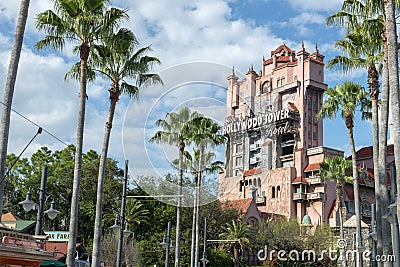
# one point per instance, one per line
(239, 161)
(273, 192)
(239, 148)
(314, 135)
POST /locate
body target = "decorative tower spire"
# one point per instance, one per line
(316, 47)
(302, 45)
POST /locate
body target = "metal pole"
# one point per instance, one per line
(395, 224)
(42, 199)
(373, 224)
(204, 259)
(168, 241)
(121, 231)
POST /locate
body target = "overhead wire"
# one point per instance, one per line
(34, 123)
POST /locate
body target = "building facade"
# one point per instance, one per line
(275, 144)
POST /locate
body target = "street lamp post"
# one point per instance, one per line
(28, 204)
(204, 260)
(122, 216)
(167, 244)
(373, 234)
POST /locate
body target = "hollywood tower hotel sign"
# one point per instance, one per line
(274, 143)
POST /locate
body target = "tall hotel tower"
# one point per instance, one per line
(275, 144)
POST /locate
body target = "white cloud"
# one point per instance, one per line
(179, 31)
(304, 21)
(331, 5)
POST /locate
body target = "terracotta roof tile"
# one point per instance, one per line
(312, 167)
(252, 172)
(366, 152)
(283, 46)
(283, 59)
(268, 61)
(299, 180)
(9, 217)
(241, 205)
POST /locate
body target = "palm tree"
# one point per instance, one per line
(9, 92)
(335, 169)
(367, 19)
(82, 22)
(191, 164)
(203, 131)
(237, 234)
(117, 60)
(346, 98)
(392, 48)
(173, 133)
(364, 52)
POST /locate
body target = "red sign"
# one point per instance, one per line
(22, 243)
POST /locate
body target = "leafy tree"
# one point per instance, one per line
(9, 92)
(365, 47)
(239, 234)
(335, 169)
(173, 133)
(203, 132)
(218, 258)
(118, 60)
(393, 71)
(83, 22)
(59, 184)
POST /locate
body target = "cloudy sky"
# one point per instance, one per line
(198, 42)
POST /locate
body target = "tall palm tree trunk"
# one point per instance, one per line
(100, 180)
(181, 146)
(192, 245)
(73, 225)
(9, 92)
(339, 195)
(236, 256)
(382, 162)
(373, 84)
(391, 35)
(356, 190)
(197, 250)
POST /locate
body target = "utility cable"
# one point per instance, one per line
(34, 123)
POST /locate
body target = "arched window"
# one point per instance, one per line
(273, 192)
(278, 191)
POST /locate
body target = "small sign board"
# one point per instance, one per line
(57, 236)
(19, 242)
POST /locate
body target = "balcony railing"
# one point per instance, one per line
(315, 195)
(314, 180)
(299, 196)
